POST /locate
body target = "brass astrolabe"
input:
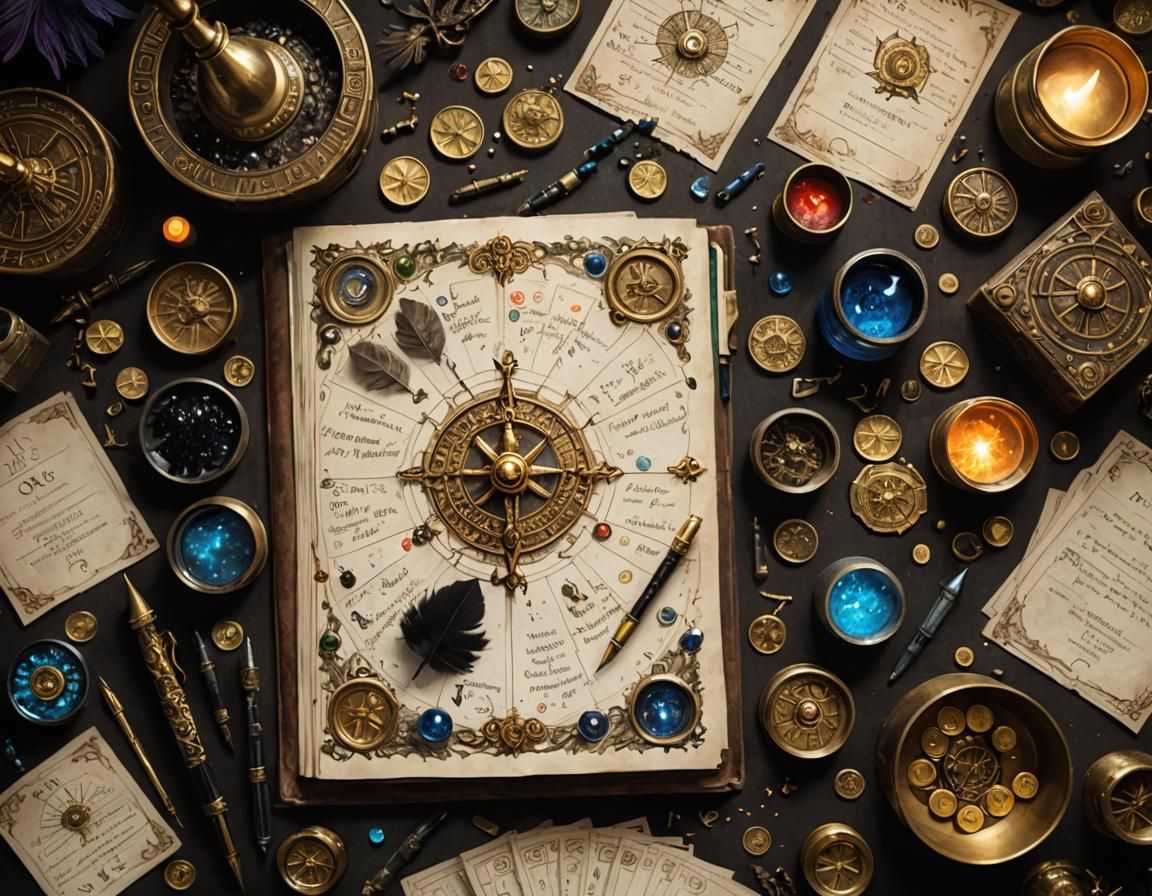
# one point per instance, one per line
(60, 204)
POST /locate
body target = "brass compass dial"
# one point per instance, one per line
(691, 43)
(508, 473)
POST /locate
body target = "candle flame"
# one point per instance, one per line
(1077, 96)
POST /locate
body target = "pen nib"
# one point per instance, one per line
(956, 582)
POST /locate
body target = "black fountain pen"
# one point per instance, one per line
(257, 773)
(159, 657)
(676, 552)
(219, 710)
(404, 854)
(945, 601)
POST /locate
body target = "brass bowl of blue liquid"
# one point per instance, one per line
(217, 545)
(48, 682)
(859, 600)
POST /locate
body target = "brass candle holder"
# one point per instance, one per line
(984, 444)
(1079, 91)
(276, 113)
(1116, 796)
(60, 185)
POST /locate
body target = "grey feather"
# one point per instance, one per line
(419, 330)
(378, 367)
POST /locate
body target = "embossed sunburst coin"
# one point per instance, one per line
(104, 337)
(647, 180)
(493, 75)
(877, 438)
(456, 132)
(944, 364)
(404, 181)
(776, 343)
(533, 119)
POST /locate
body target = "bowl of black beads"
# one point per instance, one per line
(193, 430)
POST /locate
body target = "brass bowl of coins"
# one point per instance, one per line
(978, 770)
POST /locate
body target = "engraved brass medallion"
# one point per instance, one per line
(362, 714)
(901, 67)
(644, 285)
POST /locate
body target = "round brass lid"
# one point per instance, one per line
(644, 285)
(980, 203)
(312, 860)
(104, 337)
(132, 383)
(877, 438)
(836, 861)
(363, 714)
(192, 308)
(46, 682)
(807, 711)
(547, 18)
(227, 634)
(456, 132)
(533, 119)
(404, 181)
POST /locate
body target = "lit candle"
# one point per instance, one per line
(179, 232)
(1083, 89)
(984, 444)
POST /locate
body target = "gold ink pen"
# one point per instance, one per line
(160, 658)
(676, 552)
(117, 710)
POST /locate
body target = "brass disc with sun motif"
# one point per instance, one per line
(362, 714)
(192, 308)
(691, 43)
(980, 203)
(889, 497)
(644, 285)
(807, 711)
(312, 860)
(456, 132)
(508, 473)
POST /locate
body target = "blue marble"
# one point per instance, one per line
(673, 331)
(441, 301)
(514, 315)
(664, 709)
(780, 282)
(691, 640)
(863, 604)
(216, 546)
(593, 726)
(595, 264)
(376, 836)
(643, 463)
(357, 285)
(701, 188)
(878, 300)
(434, 726)
(667, 615)
(64, 705)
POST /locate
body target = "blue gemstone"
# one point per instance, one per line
(691, 640)
(879, 300)
(441, 301)
(434, 726)
(643, 463)
(780, 282)
(667, 615)
(375, 836)
(863, 604)
(593, 726)
(595, 264)
(70, 666)
(664, 709)
(215, 546)
(701, 188)
(513, 315)
(357, 285)
(673, 331)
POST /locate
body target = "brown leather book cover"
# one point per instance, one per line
(298, 791)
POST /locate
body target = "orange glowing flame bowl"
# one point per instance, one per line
(984, 444)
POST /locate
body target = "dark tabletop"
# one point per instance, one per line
(231, 241)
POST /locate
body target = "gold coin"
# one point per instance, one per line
(456, 132)
(493, 75)
(927, 236)
(757, 840)
(647, 180)
(767, 634)
(404, 181)
(239, 370)
(363, 714)
(933, 742)
(948, 283)
(998, 801)
(1064, 446)
(877, 438)
(795, 541)
(944, 365)
(1025, 785)
(776, 343)
(1004, 738)
(80, 627)
(951, 720)
(132, 383)
(980, 718)
(997, 531)
(970, 819)
(849, 784)
(227, 634)
(179, 874)
(942, 803)
(104, 337)
(921, 773)
(966, 547)
(533, 119)
(625, 577)
(964, 657)
(921, 554)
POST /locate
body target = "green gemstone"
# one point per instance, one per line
(329, 642)
(404, 266)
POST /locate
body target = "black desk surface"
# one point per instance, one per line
(232, 241)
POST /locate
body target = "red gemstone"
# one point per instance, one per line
(459, 71)
(602, 532)
(406, 544)
(815, 203)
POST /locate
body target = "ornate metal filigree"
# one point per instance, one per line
(510, 734)
(687, 469)
(889, 497)
(502, 257)
(902, 67)
(970, 767)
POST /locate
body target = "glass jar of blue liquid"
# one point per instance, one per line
(859, 600)
(877, 302)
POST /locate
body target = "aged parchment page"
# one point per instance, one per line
(631, 68)
(850, 110)
(124, 838)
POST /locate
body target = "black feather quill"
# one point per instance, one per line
(444, 627)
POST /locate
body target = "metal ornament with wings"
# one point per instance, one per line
(447, 21)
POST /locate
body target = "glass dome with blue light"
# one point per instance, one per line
(48, 682)
(664, 710)
(217, 545)
(877, 302)
(859, 600)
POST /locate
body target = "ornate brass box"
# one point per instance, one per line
(1074, 305)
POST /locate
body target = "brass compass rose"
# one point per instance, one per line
(509, 473)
